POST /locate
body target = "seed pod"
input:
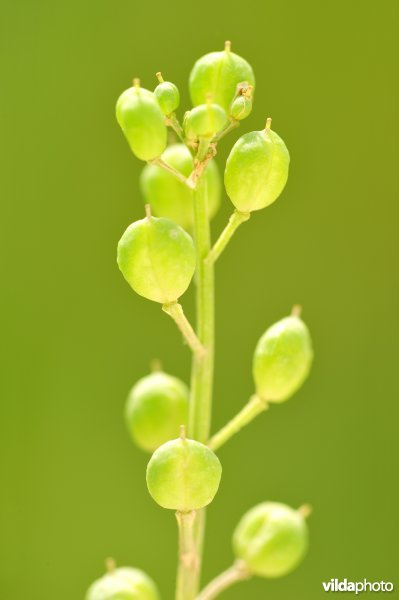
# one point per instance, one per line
(256, 170)
(271, 539)
(205, 120)
(123, 583)
(183, 475)
(169, 197)
(241, 108)
(142, 121)
(157, 258)
(167, 95)
(282, 359)
(156, 408)
(219, 74)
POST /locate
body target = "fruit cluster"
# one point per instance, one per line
(158, 258)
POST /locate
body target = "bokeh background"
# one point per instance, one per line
(75, 337)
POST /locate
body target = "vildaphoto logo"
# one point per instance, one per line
(343, 585)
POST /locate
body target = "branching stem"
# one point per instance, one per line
(234, 222)
(175, 310)
(238, 572)
(252, 409)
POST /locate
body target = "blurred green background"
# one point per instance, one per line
(75, 337)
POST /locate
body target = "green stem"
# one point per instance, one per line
(238, 572)
(234, 222)
(252, 409)
(230, 127)
(175, 310)
(173, 122)
(188, 559)
(202, 369)
(163, 165)
(203, 148)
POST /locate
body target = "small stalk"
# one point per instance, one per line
(238, 572)
(175, 310)
(234, 222)
(173, 122)
(305, 510)
(252, 409)
(161, 163)
(296, 310)
(155, 365)
(110, 565)
(233, 124)
(203, 148)
(188, 560)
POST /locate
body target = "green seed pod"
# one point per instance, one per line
(167, 95)
(156, 408)
(256, 170)
(219, 74)
(123, 583)
(169, 197)
(157, 258)
(142, 121)
(282, 359)
(271, 539)
(205, 120)
(241, 108)
(183, 475)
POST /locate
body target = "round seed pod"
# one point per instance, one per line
(256, 170)
(271, 539)
(241, 108)
(219, 74)
(155, 409)
(142, 121)
(183, 475)
(169, 197)
(282, 359)
(157, 258)
(124, 583)
(167, 95)
(205, 120)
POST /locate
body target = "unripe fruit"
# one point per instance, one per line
(183, 475)
(142, 121)
(218, 74)
(271, 539)
(167, 95)
(124, 583)
(157, 258)
(205, 120)
(256, 170)
(282, 359)
(241, 108)
(171, 198)
(156, 408)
